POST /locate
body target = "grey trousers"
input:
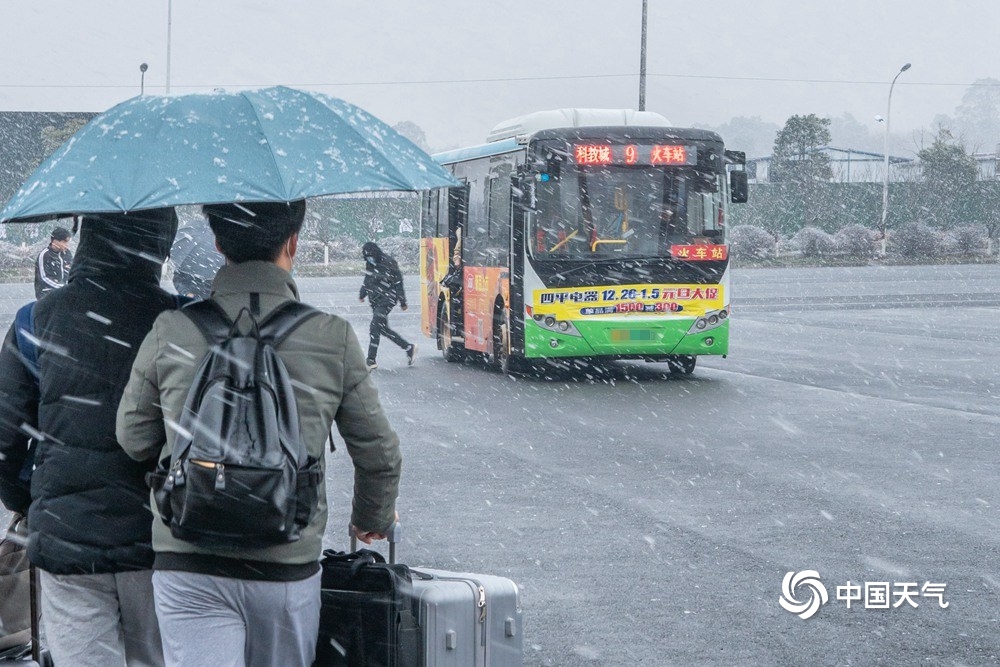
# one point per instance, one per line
(222, 622)
(101, 620)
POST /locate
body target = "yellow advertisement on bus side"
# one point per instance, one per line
(433, 268)
(571, 303)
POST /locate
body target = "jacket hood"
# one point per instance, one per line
(136, 243)
(372, 250)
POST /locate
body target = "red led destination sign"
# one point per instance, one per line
(644, 154)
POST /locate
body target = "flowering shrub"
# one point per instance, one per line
(916, 239)
(814, 242)
(751, 242)
(345, 248)
(14, 256)
(404, 249)
(857, 241)
(970, 239)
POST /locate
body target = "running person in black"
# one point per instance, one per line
(383, 286)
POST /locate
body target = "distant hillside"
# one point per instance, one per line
(27, 138)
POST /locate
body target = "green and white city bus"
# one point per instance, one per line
(582, 234)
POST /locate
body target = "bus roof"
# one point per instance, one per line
(473, 152)
(569, 122)
(557, 118)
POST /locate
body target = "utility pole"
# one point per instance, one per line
(642, 60)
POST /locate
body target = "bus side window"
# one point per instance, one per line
(429, 218)
(475, 223)
(442, 212)
(458, 213)
(499, 214)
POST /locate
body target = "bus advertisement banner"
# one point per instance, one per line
(433, 267)
(484, 287)
(619, 300)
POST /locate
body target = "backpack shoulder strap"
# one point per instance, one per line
(210, 319)
(285, 319)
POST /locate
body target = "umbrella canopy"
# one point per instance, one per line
(275, 144)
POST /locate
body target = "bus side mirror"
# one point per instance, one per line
(736, 157)
(738, 188)
(523, 189)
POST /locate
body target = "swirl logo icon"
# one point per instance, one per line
(806, 579)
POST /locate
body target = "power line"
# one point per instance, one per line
(412, 82)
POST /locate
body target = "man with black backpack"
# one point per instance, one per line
(236, 397)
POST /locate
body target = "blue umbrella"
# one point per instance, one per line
(275, 144)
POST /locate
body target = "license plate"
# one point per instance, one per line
(627, 335)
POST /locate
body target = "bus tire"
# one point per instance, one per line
(682, 364)
(451, 352)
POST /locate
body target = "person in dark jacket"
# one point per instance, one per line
(63, 367)
(53, 263)
(383, 286)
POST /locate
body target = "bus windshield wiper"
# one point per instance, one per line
(588, 263)
(632, 263)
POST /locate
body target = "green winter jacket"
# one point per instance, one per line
(326, 365)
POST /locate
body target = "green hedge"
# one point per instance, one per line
(833, 206)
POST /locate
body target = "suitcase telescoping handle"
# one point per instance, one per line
(395, 536)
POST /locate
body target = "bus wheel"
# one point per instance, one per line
(501, 343)
(682, 364)
(449, 350)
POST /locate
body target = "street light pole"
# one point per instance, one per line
(642, 61)
(885, 152)
(142, 78)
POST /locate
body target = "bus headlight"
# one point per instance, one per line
(550, 323)
(710, 320)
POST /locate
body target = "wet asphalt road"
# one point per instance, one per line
(650, 519)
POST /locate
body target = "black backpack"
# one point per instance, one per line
(239, 474)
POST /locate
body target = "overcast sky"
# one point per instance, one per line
(457, 68)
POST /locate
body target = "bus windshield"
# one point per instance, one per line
(588, 212)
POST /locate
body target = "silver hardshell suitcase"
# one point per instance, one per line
(468, 619)
(465, 619)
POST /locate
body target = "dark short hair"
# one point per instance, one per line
(254, 230)
(61, 234)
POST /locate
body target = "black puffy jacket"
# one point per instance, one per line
(383, 284)
(89, 503)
